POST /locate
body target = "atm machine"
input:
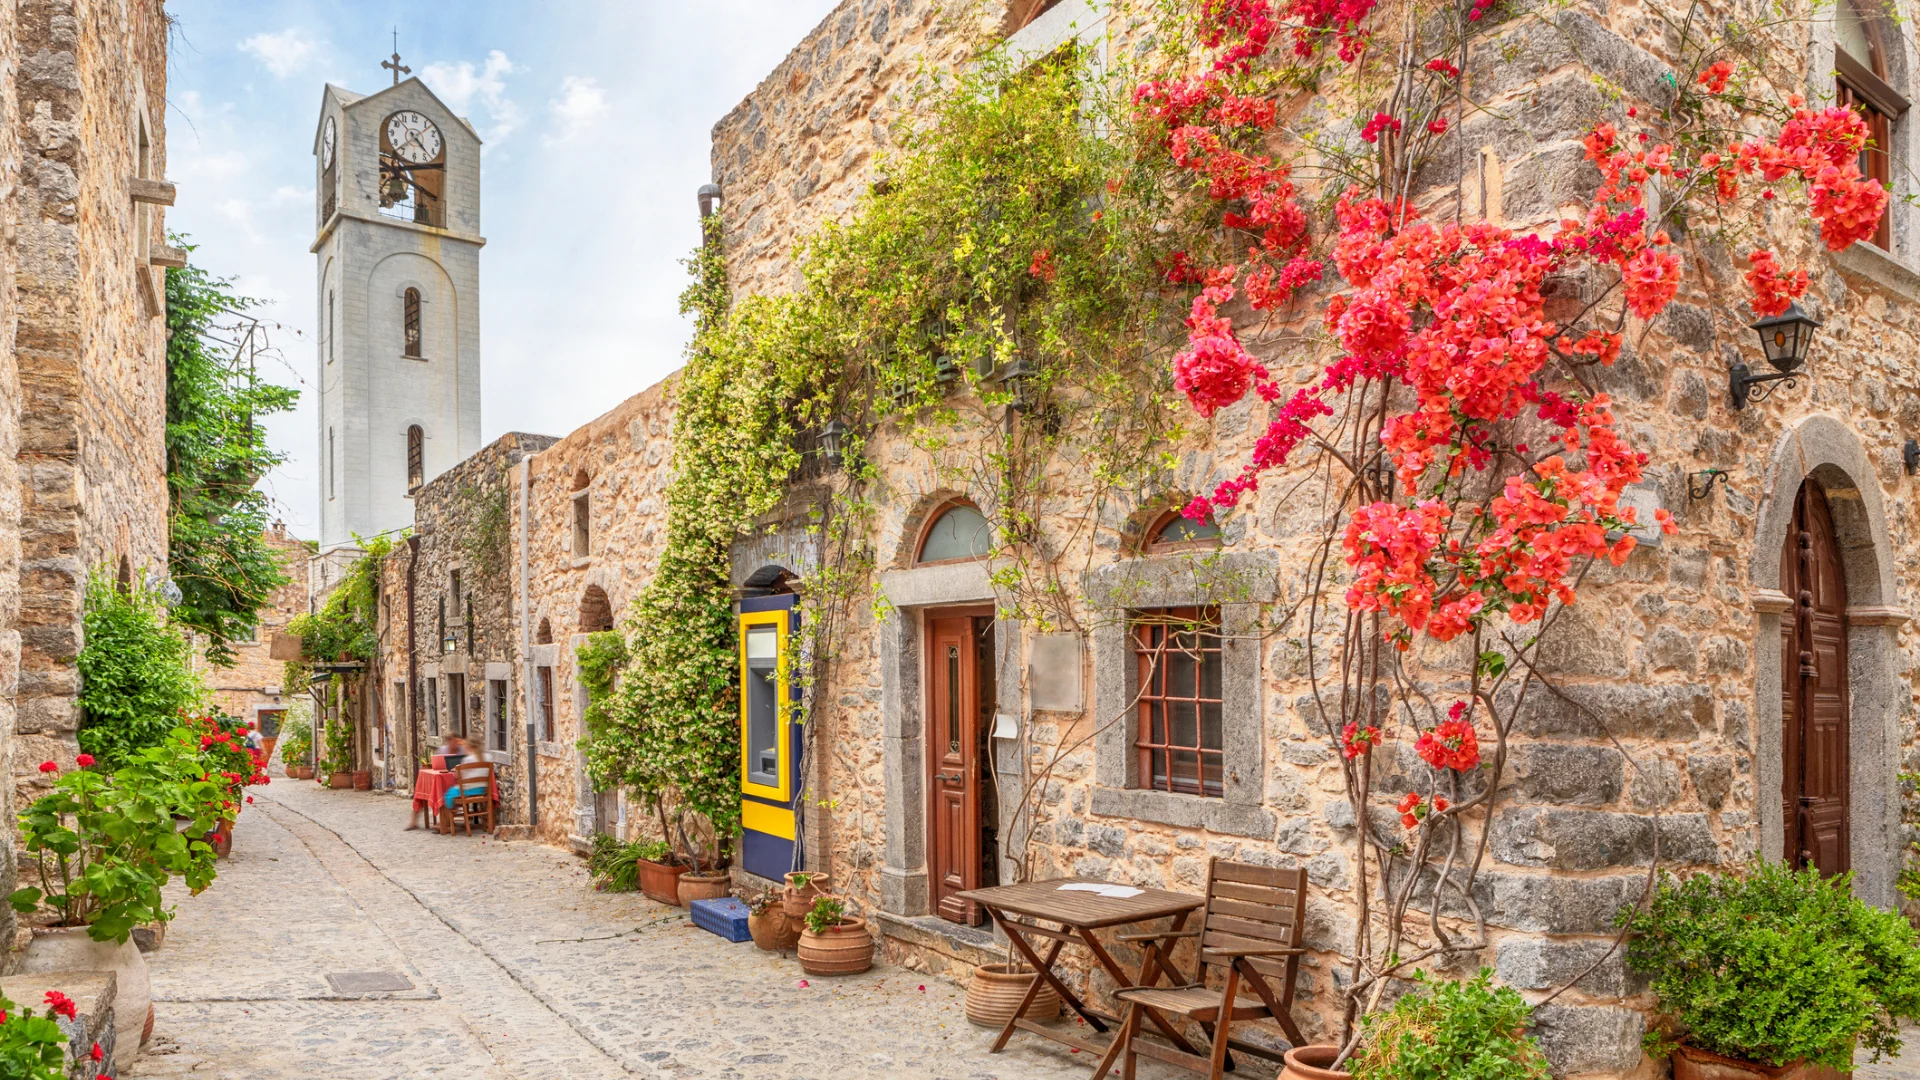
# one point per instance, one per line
(770, 737)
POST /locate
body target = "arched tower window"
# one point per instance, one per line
(955, 533)
(410, 322)
(1861, 83)
(416, 458)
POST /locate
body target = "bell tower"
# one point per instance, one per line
(397, 259)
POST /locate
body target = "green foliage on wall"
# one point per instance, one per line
(216, 452)
(136, 671)
(349, 621)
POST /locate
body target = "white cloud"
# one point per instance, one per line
(284, 53)
(581, 102)
(463, 87)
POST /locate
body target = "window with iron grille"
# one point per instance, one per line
(416, 458)
(411, 305)
(433, 706)
(497, 714)
(1860, 84)
(1178, 672)
(546, 704)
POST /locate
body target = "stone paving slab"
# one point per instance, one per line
(522, 970)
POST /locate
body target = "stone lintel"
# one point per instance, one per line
(1186, 811)
(1877, 615)
(1770, 601)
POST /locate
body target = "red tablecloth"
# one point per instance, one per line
(430, 788)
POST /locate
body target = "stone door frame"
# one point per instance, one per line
(1825, 449)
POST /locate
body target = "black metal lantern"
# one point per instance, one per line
(830, 435)
(1019, 382)
(1784, 340)
(450, 642)
(1910, 456)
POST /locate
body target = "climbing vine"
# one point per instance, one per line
(348, 623)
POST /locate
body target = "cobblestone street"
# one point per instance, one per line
(326, 881)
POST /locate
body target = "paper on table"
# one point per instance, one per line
(1116, 892)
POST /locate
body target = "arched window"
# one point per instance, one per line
(596, 614)
(416, 458)
(955, 533)
(1174, 531)
(544, 636)
(410, 319)
(582, 514)
(1861, 83)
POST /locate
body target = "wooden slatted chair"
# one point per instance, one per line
(472, 795)
(1251, 929)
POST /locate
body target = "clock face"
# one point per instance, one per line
(326, 145)
(413, 137)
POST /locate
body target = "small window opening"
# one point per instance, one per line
(1174, 531)
(544, 696)
(544, 636)
(410, 313)
(1860, 83)
(596, 614)
(416, 458)
(956, 533)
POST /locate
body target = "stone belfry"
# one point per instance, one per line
(397, 258)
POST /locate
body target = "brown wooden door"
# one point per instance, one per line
(1813, 681)
(953, 766)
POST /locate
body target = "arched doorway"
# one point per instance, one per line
(1814, 790)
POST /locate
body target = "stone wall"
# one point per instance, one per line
(253, 681)
(464, 575)
(87, 93)
(1665, 727)
(615, 469)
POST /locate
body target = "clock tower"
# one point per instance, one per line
(397, 253)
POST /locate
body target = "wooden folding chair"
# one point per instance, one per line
(1252, 930)
(473, 795)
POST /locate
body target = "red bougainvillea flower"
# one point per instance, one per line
(1440, 65)
(1356, 740)
(62, 1005)
(1437, 125)
(1043, 266)
(1452, 745)
(49, 767)
(1772, 290)
(1715, 77)
(83, 760)
(1380, 122)
(1651, 278)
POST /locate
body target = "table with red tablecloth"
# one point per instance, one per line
(430, 787)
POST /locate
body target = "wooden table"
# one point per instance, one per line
(1019, 909)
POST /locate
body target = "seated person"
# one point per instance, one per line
(453, 750)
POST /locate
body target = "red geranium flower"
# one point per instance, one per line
(83, 760)
(49, 767)
(60, 1003)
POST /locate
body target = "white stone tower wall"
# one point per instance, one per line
(371, 392)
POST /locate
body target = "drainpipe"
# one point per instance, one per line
(526, 651)
(413, 670)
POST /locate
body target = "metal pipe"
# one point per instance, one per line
(526, 651)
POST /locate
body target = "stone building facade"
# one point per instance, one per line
(1666, 728)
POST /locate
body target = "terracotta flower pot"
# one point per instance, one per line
(704, 886)
(303, 772)
(845, 949)
(221, 839)
(772, 930)
(1692, 1063)
(340, 780)
(996, 990)
(796, 901)
(1310, 1063)
(68, 948)
(363, 781)
(661, 882)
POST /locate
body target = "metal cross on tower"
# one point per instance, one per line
(394, 64)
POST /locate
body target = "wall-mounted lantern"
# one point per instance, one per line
(1784, 340)
(450, 642)
(830, 446)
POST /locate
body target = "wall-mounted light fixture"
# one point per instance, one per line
(450, 642)
(830, 435)
(1707, 478)
(1784, 340)
(1018, 379)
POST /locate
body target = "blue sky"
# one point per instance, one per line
(596, 116)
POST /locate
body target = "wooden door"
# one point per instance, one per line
(1813, 681)
(953, 766)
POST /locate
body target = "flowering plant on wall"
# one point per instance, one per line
(1480, 469)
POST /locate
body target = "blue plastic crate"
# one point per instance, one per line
(725, 916)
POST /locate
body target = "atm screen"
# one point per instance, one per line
(762, 690)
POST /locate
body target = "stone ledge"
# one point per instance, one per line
(968, 944)
(94, 994)
(1880, 267)
(1186, 811)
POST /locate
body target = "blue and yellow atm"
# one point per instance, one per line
(770, 737)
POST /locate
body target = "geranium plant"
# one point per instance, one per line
(33, 1047)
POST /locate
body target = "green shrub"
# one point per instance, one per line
(825, 914)
(136, 672)
(1774, 966)
(296, 742)
(616, 866)
(1451, 1030)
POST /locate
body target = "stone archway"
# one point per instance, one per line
(1825, 450)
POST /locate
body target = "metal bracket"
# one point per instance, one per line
(1705, 490)
(1742, 383)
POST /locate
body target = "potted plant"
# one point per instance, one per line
(1771, 972)
(32, 1047)
(995, 991)
(101, 849)
(296, 746)
(834, 943)
(803, 888)
(660, 872)
(614, 866)
(767, 922)
(704, 885)
(1460, 1029)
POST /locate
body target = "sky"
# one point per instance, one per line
(595, 116)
